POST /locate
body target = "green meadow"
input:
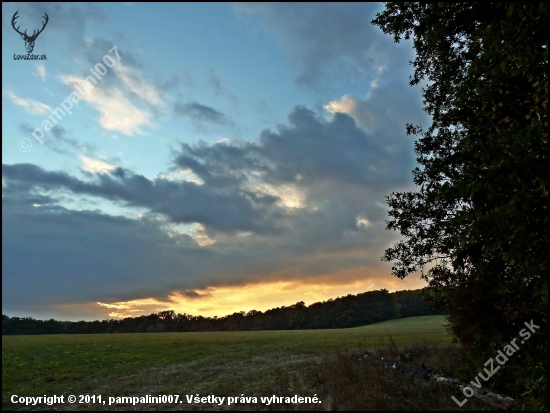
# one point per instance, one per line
(253, 363)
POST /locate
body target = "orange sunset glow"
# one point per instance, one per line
(220, 301)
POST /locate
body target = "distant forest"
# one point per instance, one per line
(349, 311)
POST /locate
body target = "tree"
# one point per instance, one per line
(477, 228)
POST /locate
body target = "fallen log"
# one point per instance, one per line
(425, 376)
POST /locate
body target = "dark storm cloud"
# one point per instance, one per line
(304, 152)
(329, 161)
(182, 202)
(52, 255)
(333, 163)
(49, 252)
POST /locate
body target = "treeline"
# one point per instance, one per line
(349, 311)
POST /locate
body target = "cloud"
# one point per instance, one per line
(329, 39)
(187, 79)
(30, 105)
(127, 77)
(380, 112)
(41, 71)
(255, 217)
(119, 94)
(181, 175)
(356, 108)
(190, 294)
(301, 205)
(182, 202)
(94, 166)
(305, 153)
(201, 237)
(262, 107)
(218, 87)
(215, 83)
(200, 114)
(309, 170)
(117, 113)
(53, 251)
(259, 237)
(136, 83)
(61, 144)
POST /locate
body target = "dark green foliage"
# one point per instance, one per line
(480, 218)
(350, 311)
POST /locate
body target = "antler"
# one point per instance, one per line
(34, 33)
(34, 36)
(15, 16)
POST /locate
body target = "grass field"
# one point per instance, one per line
(217, 363)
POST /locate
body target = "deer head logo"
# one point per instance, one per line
(29, 40)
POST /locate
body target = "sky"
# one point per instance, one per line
(206, 158)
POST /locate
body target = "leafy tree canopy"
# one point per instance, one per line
(477, 227)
